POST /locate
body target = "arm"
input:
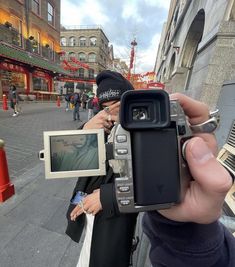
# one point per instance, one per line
(189, 234)
(103, 198)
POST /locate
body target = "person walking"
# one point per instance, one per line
(75, 100)
(90, 107)
(67, 100)
(13, 97)
(95, 103)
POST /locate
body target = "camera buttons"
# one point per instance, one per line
(125, 202)
(122, 138)
(124, 189)
(122, 151)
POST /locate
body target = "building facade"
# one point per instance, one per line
(197, 52)
(29, 45)
(85, 51)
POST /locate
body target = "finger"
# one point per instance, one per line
(206, 170)
(75, 213)
(114, 106)
(197, 112)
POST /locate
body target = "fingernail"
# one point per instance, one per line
(200, 151)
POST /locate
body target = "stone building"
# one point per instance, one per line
(197, 52)
(88, 45)
(29, 45)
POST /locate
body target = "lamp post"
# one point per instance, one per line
(132, 57)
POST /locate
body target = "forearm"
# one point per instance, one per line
(188, 244)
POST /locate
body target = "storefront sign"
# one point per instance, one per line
(12, 67)
(41, 74)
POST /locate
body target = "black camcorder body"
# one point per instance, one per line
(147, 147)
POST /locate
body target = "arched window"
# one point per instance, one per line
(92, 57)
(81, 73)
(71, 54)
(82, 57)
(91, 73)
(63, 41)
(93, 41)
(82, 41)
(72, 41)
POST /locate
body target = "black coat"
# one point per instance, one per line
(112, 232)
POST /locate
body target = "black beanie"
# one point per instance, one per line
(111, 86)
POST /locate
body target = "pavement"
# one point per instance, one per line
(32, 222)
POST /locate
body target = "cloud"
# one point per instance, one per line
(145, 58)
(159, 3)
(130, 11)
(122, 21)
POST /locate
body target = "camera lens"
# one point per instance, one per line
(140, 113)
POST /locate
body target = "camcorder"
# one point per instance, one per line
(147, 152)
(150, 140)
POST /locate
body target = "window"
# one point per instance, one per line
(63, 41)
(82, 57)
(81, 73)
(72, 41)
(91, 73)
(51, 53)
(92, 57)
(71, 54)
(17, 33)
(50, 14)
(82, 41)
(93, 41)
(36, 6)
(35, 42)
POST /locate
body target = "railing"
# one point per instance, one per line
(13, 37)
(81, 27)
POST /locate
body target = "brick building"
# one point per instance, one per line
(29, 45)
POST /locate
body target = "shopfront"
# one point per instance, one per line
(13, 74)
(42, 81)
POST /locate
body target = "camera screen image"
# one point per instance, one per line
(140, 113)
(74, 152)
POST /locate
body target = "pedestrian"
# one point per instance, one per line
(109, 234)
(67, 100)
(189, 234)
(76, 102)
(84, 99)
(90, 106)
(13, 97)
(96, 107)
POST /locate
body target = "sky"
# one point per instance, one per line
(122, 21)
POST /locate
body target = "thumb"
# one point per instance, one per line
(205, 169)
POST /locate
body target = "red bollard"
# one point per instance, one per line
(6, 187)
(4, 102)
(58, 101)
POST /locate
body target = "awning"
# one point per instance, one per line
(30, 59)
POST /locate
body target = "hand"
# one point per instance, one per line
(91, 205)
(104, 119)
(205, 195)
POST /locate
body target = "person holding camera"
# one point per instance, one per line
(189, 234)
(109, 234)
